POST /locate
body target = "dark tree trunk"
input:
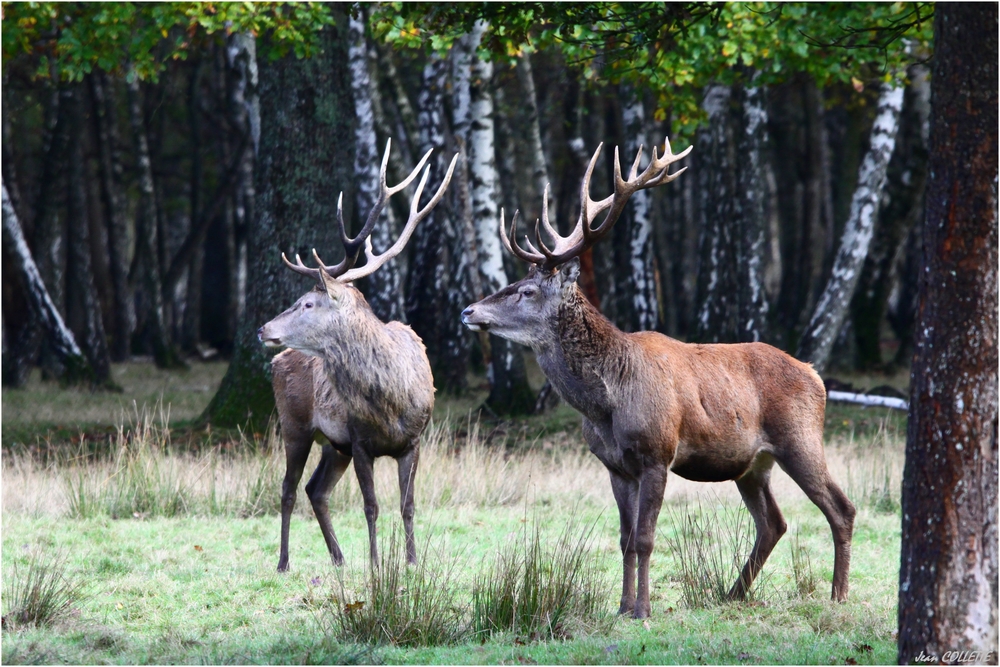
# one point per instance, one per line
(902, 204)
(61, 341)
(427, 279)
(148, 254)
(948, 568)
(83, 308)
(191, 327)
(305, 138)
(902, 311)
(110, 169)
(50, 235)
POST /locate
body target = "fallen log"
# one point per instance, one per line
(868, 400)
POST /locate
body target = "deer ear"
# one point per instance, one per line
(570, 271)
(330, 284)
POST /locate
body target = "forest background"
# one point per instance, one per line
(158, 158)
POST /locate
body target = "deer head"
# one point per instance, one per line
(522, 312)
(334, 304)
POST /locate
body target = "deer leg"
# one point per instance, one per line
(297, 446)
(626, 490)
(407, 465)
(364, 468)
(755, 487)
(331, 468)
(812, 476)
(651, 487)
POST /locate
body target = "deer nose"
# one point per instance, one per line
(260, 334)
(467, 312)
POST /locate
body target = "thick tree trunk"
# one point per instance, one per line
(384, 286)
(533, 136)
(83, 308)
(751, 221)
(110, 169)
(192, 299)
(509, 390)
(832, 307)
(902, 205)
(61, 340)
(147, 245)
(948, 569)
(305, 135)
(49, 236)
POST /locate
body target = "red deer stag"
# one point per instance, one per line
(360, 387)
(651, 404)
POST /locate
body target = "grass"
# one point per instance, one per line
(38, 592)
(174, 551)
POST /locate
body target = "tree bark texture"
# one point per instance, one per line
(304, 152)
(191, 327)
(147, 236)
(83, 308)
(509, 390)
(832, 306)
(751, 220)
(384, 287)
(948, 569)
(111, 182)
(61, 339)
(902, 205)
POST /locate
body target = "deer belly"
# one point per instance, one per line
(709, 466)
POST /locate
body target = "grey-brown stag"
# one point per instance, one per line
(651, 404)
(360, 387)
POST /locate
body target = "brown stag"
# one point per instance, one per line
(651, 404)
(358, 386)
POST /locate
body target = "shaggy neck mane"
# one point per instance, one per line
(590, 352)
(363, 364)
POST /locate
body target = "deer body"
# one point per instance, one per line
(360, 387)
(651, 404)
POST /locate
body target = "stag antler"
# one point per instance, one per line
(584, 234)
(344, 271)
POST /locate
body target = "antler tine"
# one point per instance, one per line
(300, 268)
(416, 215)
(510, 241)
(545, 216)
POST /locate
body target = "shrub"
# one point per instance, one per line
(38, 593)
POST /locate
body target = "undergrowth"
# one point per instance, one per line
(38, 592)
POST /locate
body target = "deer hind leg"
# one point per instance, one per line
(755, 487)
(331, 468)
(364, 468)
(407, 465)
(297, 446)
(809, 471)
(651, 487)
(626, 490)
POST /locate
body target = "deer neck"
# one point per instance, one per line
(590, 358)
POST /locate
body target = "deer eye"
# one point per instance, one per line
(529, 292)
(308, 304)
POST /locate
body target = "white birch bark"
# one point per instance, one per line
(832, 306)
(641, 284)
(62, 339)
(751, 149)
(384, 293)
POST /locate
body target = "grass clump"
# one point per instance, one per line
(710, 548)
(38, 593)
(802, 570)
(399, 604)
(540, 592)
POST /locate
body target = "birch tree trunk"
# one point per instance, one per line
(111, 180)
(384, 286)
(509, 390)
(305, 129)
(83, 308)
(948, 568)
(752, 151)
(61, 339)
(902, 206)
(639, 310)
(146, 237)
(533, 136)
(832, 306)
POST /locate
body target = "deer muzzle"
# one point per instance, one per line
(474, 320)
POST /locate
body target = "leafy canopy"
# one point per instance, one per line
(676, 49)
(69, 40)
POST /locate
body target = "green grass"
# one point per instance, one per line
(186, 572)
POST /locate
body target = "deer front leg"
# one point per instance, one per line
(364, 468)
(626, 492)
(407, 465)
(297, 447)
(651, 487)
(331, 468)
